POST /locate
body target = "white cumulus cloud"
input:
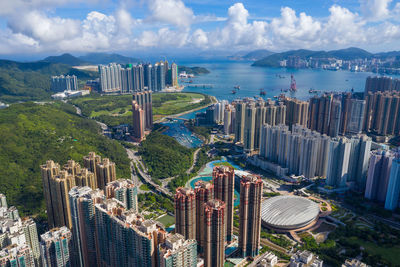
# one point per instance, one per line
(171, 11)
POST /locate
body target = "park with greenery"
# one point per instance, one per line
(164, 156)
(31, 134)
(114, 110)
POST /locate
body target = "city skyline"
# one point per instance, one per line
(196, 26)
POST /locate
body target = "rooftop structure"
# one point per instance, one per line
(305, 258)
(288, 212)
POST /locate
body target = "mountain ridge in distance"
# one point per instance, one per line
(252, 56)
(90, 59)
(106, 58)
(345, 54)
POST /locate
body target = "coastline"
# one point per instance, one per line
(213, 101)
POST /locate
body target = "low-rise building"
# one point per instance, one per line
(354, 263)
(305, 258)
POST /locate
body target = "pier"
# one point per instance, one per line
(200, 85)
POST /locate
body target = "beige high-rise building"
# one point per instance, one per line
(214, 234)
(250, 215)
(296, 112)
(57, 183)
(224, 186)
(59, 187)
(105, 171)
(90, 161)
(85, 178)
(49, 171)
(185, 212)
(204, 192)
(382, 113)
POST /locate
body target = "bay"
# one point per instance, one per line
(224, 75)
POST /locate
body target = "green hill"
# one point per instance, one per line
(66, 58)
(31, 80)
(32, 134)
(344, 54)
(193, 70)
(105, 58)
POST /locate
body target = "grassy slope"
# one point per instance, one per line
(115, 110)
(32, 134)
(31, 81)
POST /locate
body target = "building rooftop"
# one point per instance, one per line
(288, 212)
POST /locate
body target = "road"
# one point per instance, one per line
(134, 158)
(195, 155)
(266, 242)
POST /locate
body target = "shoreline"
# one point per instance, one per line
(213, 101)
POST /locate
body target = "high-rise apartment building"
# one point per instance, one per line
(110, 77)
(134, 241)
(249, 127)
(17, 255)
(214, 234)
(393, 191)
(144, 100)
(90, 162)
(296, 112)
(224, 185)
(125, 191)
(138, 121)
(19, 243)
(185, 212)
(64, 83)
(176, 251)
(275, 113)
(56, 248)
(82, 201)
(301, 151)
(355, 118)
(325, 114)
(58, 182)
(49, 171)
(105, 171)
(338, 162)
(229, 119)
(380, 165)
(381, 84)
(382, 113)
(250, 215)
(240, 109)
(31, 238)
(359, 158)
(204, 191)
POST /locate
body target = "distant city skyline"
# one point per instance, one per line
(78, 26)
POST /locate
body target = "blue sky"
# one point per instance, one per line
(80, 26)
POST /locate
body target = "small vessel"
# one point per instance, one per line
(237, 87)
(234, 92)
(191, 81)
(262, 91)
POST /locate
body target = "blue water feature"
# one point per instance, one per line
(227, 74)
(178, 130)
(208, 171)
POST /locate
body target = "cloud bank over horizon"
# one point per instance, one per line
(36, 26)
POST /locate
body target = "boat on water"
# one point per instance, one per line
(191, 81)
(262, 91)
(236, 87)
(233, 92)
